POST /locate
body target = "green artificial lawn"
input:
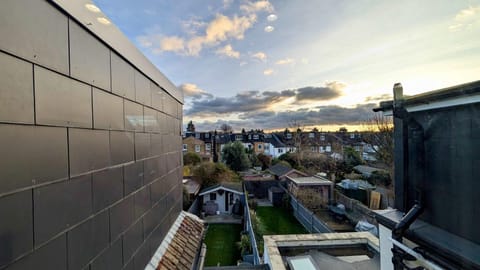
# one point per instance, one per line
(221, 244)
(277, 220)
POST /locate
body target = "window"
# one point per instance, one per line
(207, 147)
(289, 135)
(312, 148)
(352, 136)
(213, 196)
(259, 146)
(197, 148)
(207, 135)
(328, 148)
(311, 135)
(280, 150)
(238, 137)
(197, 135)
(322, 137)
(184, 147)
(255, 137)
(322, 149)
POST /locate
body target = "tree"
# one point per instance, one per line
(191, 159)
(226, 128)
(209, 174)
(352, 158)
(290, 158)
(380, 138)
(233, 154)
(265, 160)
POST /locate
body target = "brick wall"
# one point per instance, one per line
(90, 148)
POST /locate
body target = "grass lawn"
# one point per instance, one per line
(277, 220)
(221, 244)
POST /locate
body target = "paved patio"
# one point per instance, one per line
(263, 202)
(223, 219)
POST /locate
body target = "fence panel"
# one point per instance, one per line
(253, 241)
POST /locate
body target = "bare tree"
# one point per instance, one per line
(297, 139)
(226, 128)
(380, 138)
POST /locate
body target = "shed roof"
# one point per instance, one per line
(279, 169)
(232, 187)
(310, 181)
(366, 170)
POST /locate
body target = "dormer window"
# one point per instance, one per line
(197, 135)
(289, 135)
(255, 137)
(311, 135)
(238, 137)
(207, 135)
(322, 137)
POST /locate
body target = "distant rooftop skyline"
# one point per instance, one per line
(264, 64)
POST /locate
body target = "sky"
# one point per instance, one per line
(314, 63)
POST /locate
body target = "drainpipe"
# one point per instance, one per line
(408, 123)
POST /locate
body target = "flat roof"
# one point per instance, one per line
(272, 243)
(97, 23)
(310, 181)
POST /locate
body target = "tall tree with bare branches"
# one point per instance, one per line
(380, 137)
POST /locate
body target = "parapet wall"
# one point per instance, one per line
(90, 147)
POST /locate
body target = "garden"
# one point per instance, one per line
(221, 241)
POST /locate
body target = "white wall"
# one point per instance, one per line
(221, 201)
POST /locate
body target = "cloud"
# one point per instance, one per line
(378, 98)
(323, 115)
(285, 61)
(330, 91)
(272, 17)
(241, 102)
(202, 34)
(145, 41)
(465, 19)
(191, 90)
(260, 56)
(243, 63)
(269, 29)
(258, 6)
(227, 3)
(268, 72)
(228, 51)
(172, 44)
(250, 101)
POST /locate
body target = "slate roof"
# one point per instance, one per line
(279, 169)
(180, 246)
(275, 141)
(366, 170)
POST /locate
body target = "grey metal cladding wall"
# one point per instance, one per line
(90, 148)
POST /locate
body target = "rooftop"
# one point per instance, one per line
(367, 170)
(279, 169)
(446, 97)
(310, 181)
(281, 248)
(230, 186)
(180, 247)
